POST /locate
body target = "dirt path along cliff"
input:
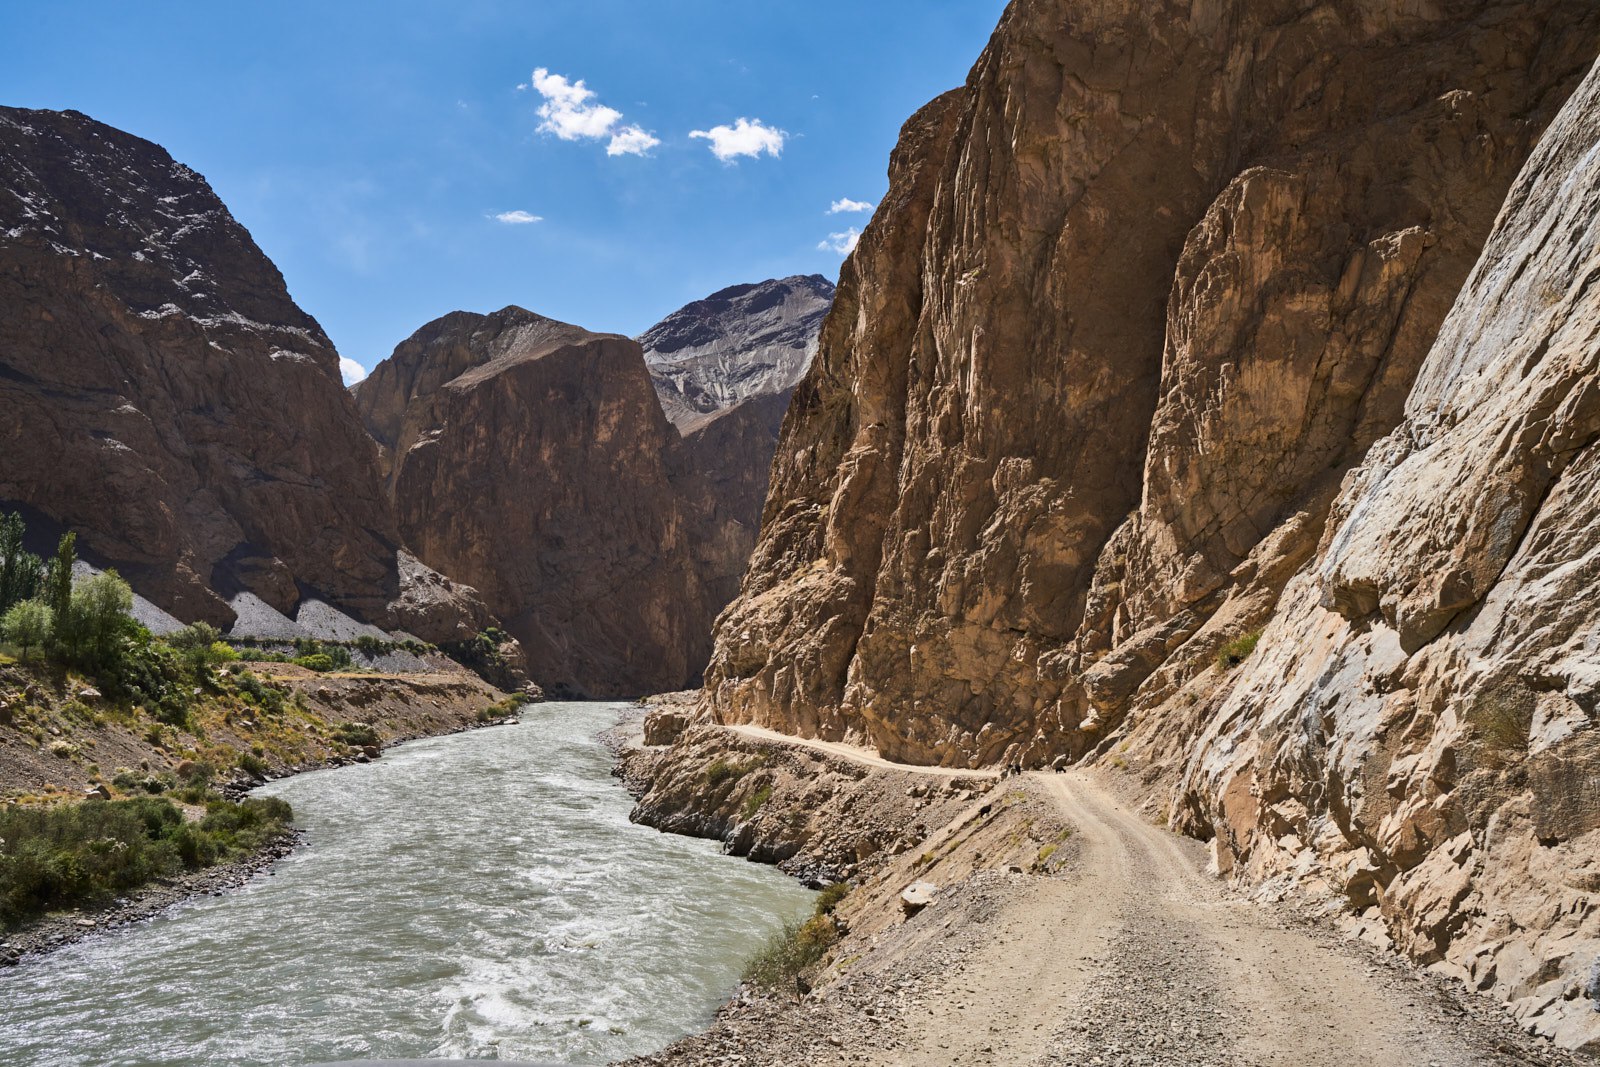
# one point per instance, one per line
(1137, 956)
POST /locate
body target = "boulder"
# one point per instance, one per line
(916, 896)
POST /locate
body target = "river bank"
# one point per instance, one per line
(52, 742)
(1063, 928)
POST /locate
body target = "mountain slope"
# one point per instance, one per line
(167, 399)
(737, 344)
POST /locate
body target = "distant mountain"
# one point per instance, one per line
(724, 369)
(743, 342)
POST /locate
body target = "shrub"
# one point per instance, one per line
(786, 957)
(721, 770)
(756, 800)
(81, 854)
(315, 662)
(252, 764)
(1236, 651)
(356, 734)
(831, 897)
(259, 693)
(1502, 718)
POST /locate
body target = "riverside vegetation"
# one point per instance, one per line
(122, 751)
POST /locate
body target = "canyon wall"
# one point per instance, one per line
(530, 458)
(1149, 356)
(165, 398)
(1141, 292)
(1415, 733)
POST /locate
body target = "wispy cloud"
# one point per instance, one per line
(746, 137)
(573, 112)
(351, 371)
(517, 218)
(846, 205)
(842, 243)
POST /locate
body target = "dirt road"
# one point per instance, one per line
(1136, 956)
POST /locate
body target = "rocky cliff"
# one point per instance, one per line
(1133, 361)
(167, 399)
(1415, 734)
(531, 458)
(744, 342)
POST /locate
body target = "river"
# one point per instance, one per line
(477, 896)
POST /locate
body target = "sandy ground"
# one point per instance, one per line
(1127, 954)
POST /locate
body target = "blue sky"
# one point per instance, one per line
(371, 147)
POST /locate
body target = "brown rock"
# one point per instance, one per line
(165, 397)
(529, 457)
(1140, 293)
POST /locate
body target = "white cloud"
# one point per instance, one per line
(631, 141)
(844, 205)
(572, 112)
(517, 218)
(746, 137)
(351, 371)
(842, 243)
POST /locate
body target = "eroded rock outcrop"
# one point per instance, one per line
(165, 397)
(531, 459)
(1089, 386)
(1416, 732)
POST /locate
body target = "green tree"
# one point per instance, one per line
(99, 611)
(27, 624)
(19, 568)
(58, 583)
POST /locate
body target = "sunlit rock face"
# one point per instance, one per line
(1140, 294)
(1151, 348)
(165, 398)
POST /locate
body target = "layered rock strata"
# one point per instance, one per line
(166, 399)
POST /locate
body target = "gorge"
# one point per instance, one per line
(1169, 555)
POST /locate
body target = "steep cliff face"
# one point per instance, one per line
(1141, 292)
(164, 396)
(1416, 732)
(744, 342)
(531, 458)
(1147, 349)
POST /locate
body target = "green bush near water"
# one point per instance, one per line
(782, 963)
(87, 853)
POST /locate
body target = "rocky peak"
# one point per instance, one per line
(742, 342)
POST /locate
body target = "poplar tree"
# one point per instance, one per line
(58, 584)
